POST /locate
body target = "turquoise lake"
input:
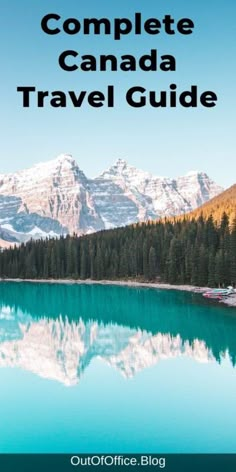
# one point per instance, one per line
(92, 368)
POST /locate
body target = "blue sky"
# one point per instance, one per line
(166, 142)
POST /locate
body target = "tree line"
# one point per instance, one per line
(197, 252)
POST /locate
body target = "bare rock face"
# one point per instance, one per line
(151, 196)
(56, 197)
(56, 192)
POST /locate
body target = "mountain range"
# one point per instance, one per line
(61, 350)
(56, 198)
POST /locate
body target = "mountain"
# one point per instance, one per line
(223, 203)
(61, 350)
(160, 196)
(7, 239)
(56, 197)
(6, 236)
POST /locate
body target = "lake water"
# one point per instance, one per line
(91, 368)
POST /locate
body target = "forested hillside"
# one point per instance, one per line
(197, 252)
(225, 202)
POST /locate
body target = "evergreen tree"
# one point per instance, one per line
(233, 253)
(189, 251)
(145, 260)
(152, 263)
(211, 270)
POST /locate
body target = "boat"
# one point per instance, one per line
(219, 293)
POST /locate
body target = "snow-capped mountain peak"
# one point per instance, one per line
(56, 197)
(64, 157)
(121, 163)
(63, 162)
(121, 169)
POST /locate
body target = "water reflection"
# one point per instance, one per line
(56, 330)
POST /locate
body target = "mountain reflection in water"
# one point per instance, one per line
(56, 330)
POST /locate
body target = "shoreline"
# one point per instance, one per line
(230, 301)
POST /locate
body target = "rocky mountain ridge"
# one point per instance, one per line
(55, 198)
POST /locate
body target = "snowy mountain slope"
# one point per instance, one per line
(56, 197)
(56, 190)
(161, 196)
